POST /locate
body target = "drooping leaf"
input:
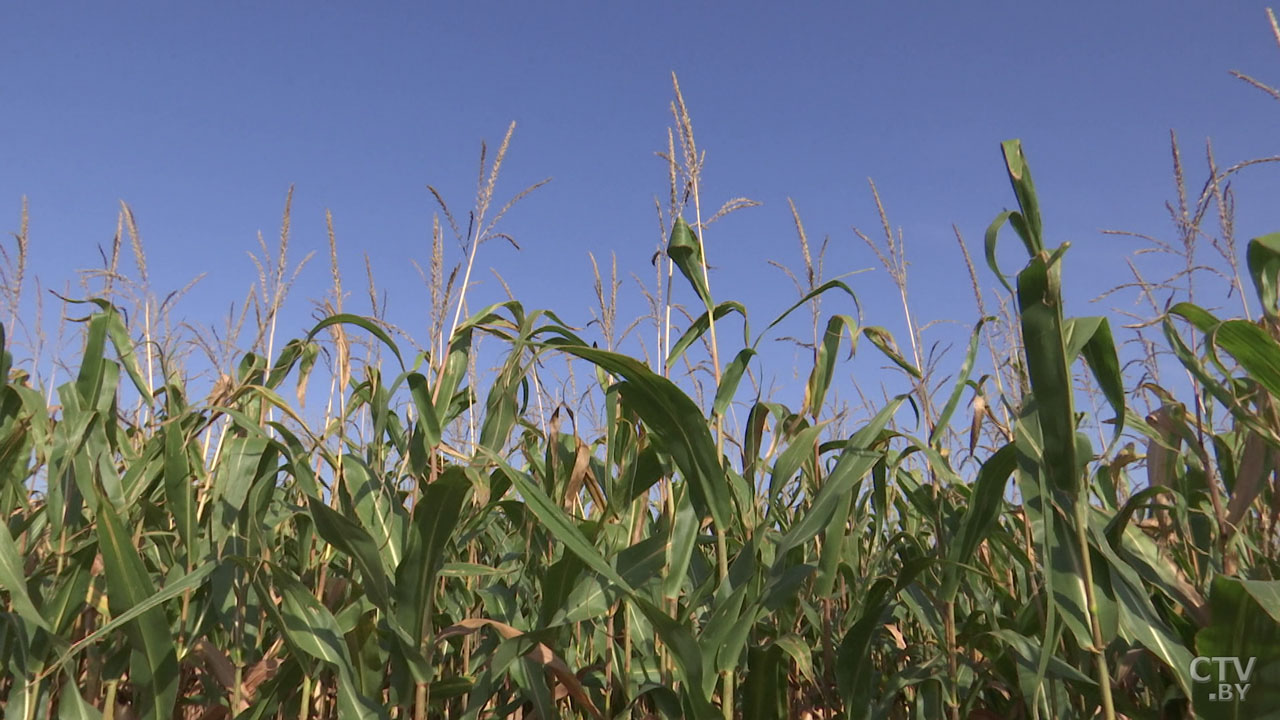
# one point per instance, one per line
(560, 526)
(699, 327)
(678, 425)
(685, 249)
(1256, 351)
(361, 322)
(1091, 337)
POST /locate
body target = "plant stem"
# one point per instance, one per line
(1099, 646)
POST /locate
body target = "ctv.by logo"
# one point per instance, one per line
(1228, 690)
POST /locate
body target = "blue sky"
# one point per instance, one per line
(201, 115)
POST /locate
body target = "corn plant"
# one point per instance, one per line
(442, 546)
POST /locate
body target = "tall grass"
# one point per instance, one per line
(448, 541)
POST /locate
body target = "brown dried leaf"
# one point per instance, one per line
(540, 654)
(1250, 477)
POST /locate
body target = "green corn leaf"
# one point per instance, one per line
(6, 358)
(63, 606)
(242, 464)
(800, 652)
(1138, 619)
(825, 363)
(1099, 350)
(1142, 554)
(722, 638)
(1119, 522)
(456, 361)
(13, 581)
(687, 655)
(834, 547)
(730, 380)
(352, 540)
(464, 569)
(962, 381)
(428, 415)
(560, 525)
(309, 627)
(113, 325)
(884, 343)
(981, 514)
(592, 598)
(176, 587)
(299, 466)
(681, 544)
(1245, 630)
(1266, 593)
(89, 379)
(1220, 391)
(992, 237)
(854, 661)
(1028, 652)
(288, 357)
(1026, 222)
(1263, 258)
(856, 460)
(678, 425)
(154, 669)
(1053, 532)
(700, 326)
(573, 598)
(1256, 351)
(435, 517)
(811, 295)
(178, 488)
(764, 687)
(72, 705)
(803, 449)
(685, 250)
(648, 467)
(378, 509)
(360, 322)
(1040, 304)
(501, 408)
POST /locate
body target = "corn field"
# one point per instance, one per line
(1025, 531)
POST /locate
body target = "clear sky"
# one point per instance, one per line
(200, 116)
